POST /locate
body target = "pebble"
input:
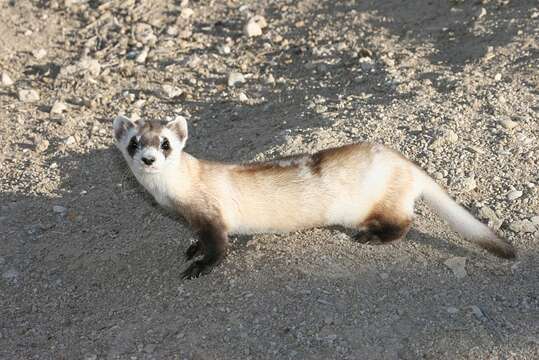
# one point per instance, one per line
(223, 49)
(457, 265)
(451, 136)
(469, 184)
(70, 141)
(141, 57)
(452, 310)
(481, 13)
(59, 209)
(243, 98)
(535, 220)
(90, 357)
(252, 29)
(508, 123)
(28, 95)
(235, 78)
(170, 92)
(479, 314)
(493, 220)
(186, 13)
(58, 107)
(497, 77)
(172, 30)
(366, 63)
(39, 53)
(42, 145)
(513, 195)
(91, 65)
(144, 34)
(522, 226)
(5, 79)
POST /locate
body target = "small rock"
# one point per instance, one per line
(457, 265)
(252, 29)
(59, 209)
(90, 357)
(39, 53)
(141, 57)
(5, 80)
(91, 65)
(186, 13)
(478, 313)
(493, 220)
(535, 220)
(70, 141)
(508, 123)
(270, 80)
(451, 136)
(452, 310)
(42, 145)
(522, 226)
(150, 348)
(58, 107)
(28, 95)
(144, 34)
(243, 98)
(481, 13)
(384, 276)
(366, 63)
(223, 49)
(235, 78)
(260, 20)
(497, 77)
(513, 195)
(469, 184)
(170, 92)
(172, 30)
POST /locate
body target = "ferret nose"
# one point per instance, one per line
(148, 160)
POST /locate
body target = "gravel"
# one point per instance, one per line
(452, 89)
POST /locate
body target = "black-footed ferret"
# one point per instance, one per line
(367, 187)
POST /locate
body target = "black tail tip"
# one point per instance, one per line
(498, 247)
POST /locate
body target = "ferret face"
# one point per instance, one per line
(150, 147)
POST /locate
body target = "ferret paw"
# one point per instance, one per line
(197, 268)
(366, 237)
(193, 250)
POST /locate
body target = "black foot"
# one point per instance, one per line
(367, 237)
(193, 250)
(199, 267)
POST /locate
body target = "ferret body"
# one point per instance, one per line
(367, 187)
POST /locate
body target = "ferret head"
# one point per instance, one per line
(150, 147)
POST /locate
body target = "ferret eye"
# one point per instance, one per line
(165, 145)
(133, 144)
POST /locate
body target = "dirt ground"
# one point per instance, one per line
(89, 265)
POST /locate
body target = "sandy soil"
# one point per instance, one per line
(89, 266)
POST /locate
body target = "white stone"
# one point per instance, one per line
(186, 13)
(513, 195)
(39, 53)
(457, 264)
(5, 80)
(91, 65)
(28, 95)
(235, 78)
(58, 107)
(252, 29)
(170, 91)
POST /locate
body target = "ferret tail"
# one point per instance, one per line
(462, 221)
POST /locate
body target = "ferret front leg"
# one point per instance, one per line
(213, 241)
(194, 250)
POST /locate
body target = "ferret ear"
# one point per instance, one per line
(121, 126)
(179, 127)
